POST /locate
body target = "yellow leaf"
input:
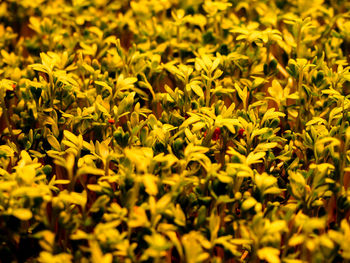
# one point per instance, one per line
(150, 184)
(22, 213)
(270, 254)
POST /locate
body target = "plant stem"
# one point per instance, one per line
(51, 89)
(267, 53)
(178, 34)
(298, 42)
(342, 150)
(280, 68)
(207, 91)
(6, 116)
(300, 87)
(107, 167)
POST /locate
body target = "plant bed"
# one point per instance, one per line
(174, 131)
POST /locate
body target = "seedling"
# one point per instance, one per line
(174, 131)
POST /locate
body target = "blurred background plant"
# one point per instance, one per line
(174, 131)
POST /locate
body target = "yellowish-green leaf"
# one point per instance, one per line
(54, 142)
(255, 157)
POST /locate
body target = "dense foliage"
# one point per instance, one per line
(174, 131)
